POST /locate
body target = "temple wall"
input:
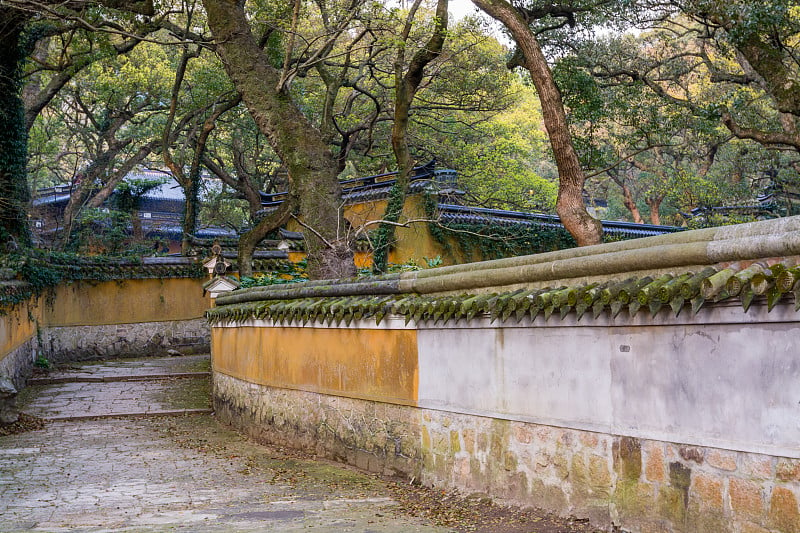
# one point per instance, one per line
(100, 319)
(648, 411)
(664, 425)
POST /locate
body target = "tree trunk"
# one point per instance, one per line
(249, 240)
(654, 203)
(14, 194)
(80, 192)
(406, 86)
(297, 142)
(630, 204)
(570, 207)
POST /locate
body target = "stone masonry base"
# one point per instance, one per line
(76, 343)
(18, 364)
(374, 436)
(637, 485)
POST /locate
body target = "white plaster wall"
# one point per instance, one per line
(722, 379)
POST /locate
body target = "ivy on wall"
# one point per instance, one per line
(493, 241)
(485, 241)
(25, 275)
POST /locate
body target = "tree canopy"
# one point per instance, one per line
(656, 109)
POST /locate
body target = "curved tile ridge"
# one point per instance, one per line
(676, 252)
(688, 290)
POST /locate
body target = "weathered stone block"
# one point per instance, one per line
(599, 476)
(671, 505)
(426, 439)
(628, 458)
(723, 460)
(691, 453)
(655, 469)
(522, 434)
(560, 463)
(706, 491)
(462, 469)
(510, 461)
(746, 499)
(441, 444)
(783, 512)
(455, 441)
(579, 475)
(632, 500)
(787, 469)
(756, 467)
(482, 441)
(590, 440)
(547, 496)
(469, 440)
(8, 402)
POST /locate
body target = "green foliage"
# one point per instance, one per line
(384, 237)
(42, 362)
(495, 241)
(285, 272)
(433, 262)
(483, 241)
(129, 193)
(100, 229)
(716, 220)
(505, 162)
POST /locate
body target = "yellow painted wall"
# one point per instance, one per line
(126, 301)
(376, 364)
(16, 326)
(413, 242)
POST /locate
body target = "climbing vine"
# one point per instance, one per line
(494, 241)
(383, 238)
(28, 274)
(484, 240)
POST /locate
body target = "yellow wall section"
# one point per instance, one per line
(16, 327)
(126, 302)
(412, 242)
(373, 364)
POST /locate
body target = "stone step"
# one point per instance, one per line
(86, 378)
(155, 413)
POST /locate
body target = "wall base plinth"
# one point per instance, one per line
(79, 343)
(635, 484)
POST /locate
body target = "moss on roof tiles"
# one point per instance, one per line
(635, 295)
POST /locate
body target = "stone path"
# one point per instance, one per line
(135, 472)
(110, 459)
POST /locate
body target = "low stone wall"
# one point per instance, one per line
(101, 319)
(375, 436)
(639, 484)
(18, 363)
(665, 425)
(139, 339)
(660, 394)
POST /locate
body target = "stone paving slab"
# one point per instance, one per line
(88, 378)
(86, 399)
(125, 387)
(180, 474)
(143, 367)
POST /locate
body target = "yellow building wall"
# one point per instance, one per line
(126, 301)
(372, 364)
(16, 326)
(414, 242)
